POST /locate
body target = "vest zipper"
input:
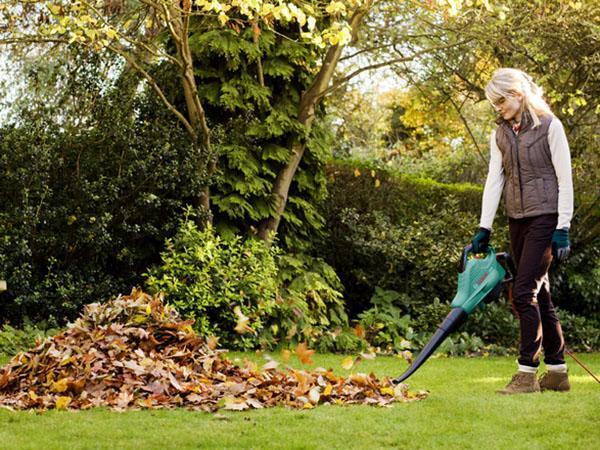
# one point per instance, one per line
(519, 169)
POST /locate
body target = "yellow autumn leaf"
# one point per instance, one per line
(308, 405)
(285, 355)
(356, 173)
(377, 183)
(112, 34)
(60, 385)
(54, 9)
(388, 391)
(62, 402)
(336, 8)
(327, 390)
(348, 362)
(372, 173)
(223, 18)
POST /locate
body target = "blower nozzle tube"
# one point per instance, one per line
(451, 323)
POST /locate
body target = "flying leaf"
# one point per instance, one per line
(304, 353)
(242, 322)
(348, 362)
(359, 331)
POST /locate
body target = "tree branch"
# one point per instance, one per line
(157, 89)
(347, 78)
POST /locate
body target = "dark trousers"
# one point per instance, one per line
(531, 248)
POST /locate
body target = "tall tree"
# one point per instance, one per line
(145, 32)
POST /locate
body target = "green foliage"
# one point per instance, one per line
(257, 122)
(495, 324)
(312, 304)
(385, 324)
(288, 298)
(400, 233)
(205, 277)
(581, 333)
(87, 208)
(14, 340)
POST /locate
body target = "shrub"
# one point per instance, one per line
(84, 211)
(286, 297)
(14, 340)
(206, 277)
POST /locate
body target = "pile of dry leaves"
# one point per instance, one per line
(136, 352)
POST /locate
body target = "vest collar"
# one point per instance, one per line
(526, 122)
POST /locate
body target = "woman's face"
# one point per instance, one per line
(509, 107)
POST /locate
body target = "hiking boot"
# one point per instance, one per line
(521, 383)
(555, 381)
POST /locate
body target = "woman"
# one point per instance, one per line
(530, 163)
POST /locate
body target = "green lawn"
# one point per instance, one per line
(462, 411)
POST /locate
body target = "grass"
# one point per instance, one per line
(462, 411)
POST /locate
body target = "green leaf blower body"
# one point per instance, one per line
(480, 281)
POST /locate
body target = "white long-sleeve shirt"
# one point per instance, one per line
(561, 160)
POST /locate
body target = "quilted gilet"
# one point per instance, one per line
(531, 186)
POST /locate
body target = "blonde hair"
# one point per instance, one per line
(508, 81)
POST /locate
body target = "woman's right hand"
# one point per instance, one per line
(481, 240)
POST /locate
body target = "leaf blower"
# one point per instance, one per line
(481, 280)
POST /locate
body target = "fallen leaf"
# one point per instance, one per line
(212, 342)
(314, 395)
(285, 355)
(62, 402)
(235, 404)
(60, 385)
(388, 391)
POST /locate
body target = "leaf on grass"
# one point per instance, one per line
(369, 356)
(235, 404)
(285, 355)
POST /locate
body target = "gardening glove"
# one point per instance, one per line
(481, 240)
(561, 247)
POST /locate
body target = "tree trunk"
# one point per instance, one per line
(306, 114)
(201, 143)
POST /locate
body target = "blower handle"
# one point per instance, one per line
(507, 262)
(463, 259)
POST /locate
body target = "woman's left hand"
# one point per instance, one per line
(561, 247)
